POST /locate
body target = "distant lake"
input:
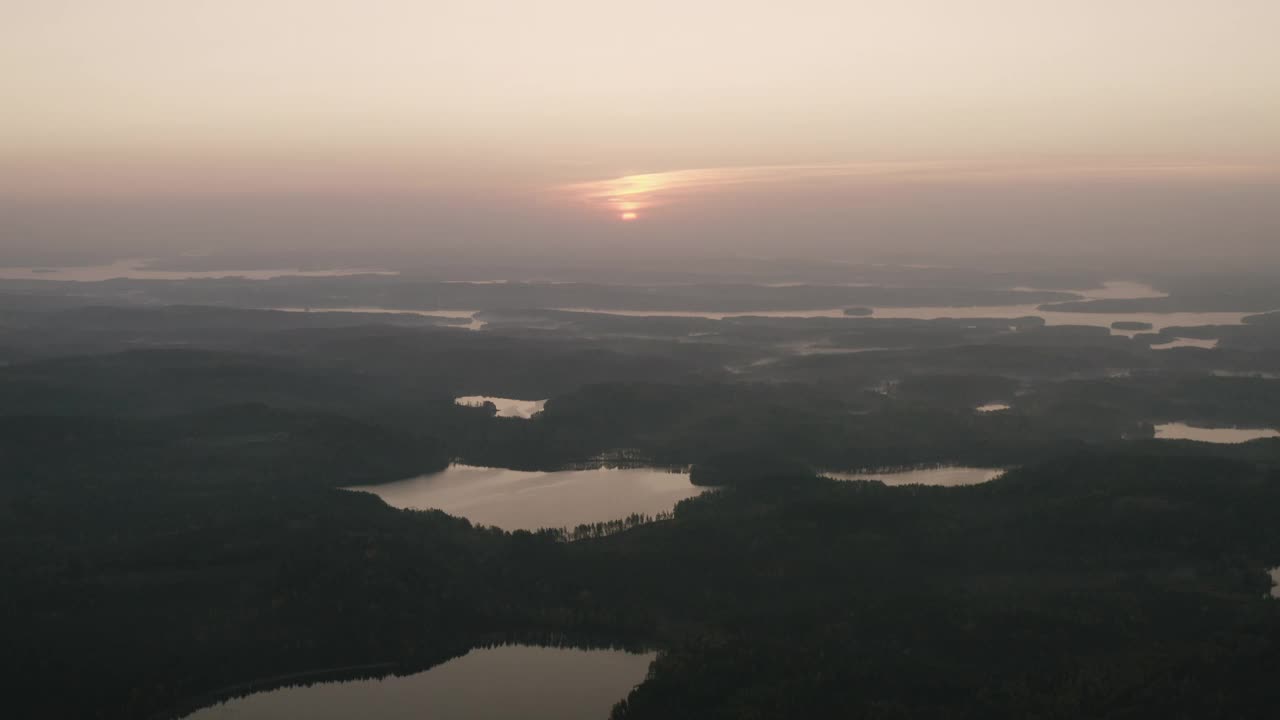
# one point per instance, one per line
(513, 682)
(940, 476)
(1109, 290)
(520, 500)
(1182, 431)
(1275, 582)
(992, 407)
(507, 407)
(1187, 342)
(1157, 321)
(473, 323)
(1246, 374)
(817, 313)
(137, 270)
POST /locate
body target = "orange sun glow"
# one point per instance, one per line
(628, 216)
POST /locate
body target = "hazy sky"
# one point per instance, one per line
(825, 126)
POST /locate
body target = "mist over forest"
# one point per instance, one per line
(180, 445)
(843, 359)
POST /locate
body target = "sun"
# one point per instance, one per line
(628, 216)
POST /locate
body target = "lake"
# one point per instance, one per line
(816, 313)
(507, 407)
(522, 500)
(1246, 374)
(473, 323)
(1182, 431)
(992, 407)
(951, 476)
(1275, 582)
(1110, 290)
(1158, 321)
(136, 270)
(1182, 342)
(512, 682)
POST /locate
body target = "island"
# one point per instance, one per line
(1131, 325)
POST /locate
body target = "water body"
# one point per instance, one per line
(1275, 582)
(1182, 431)
(521, 500)
(1110, 290)
(992, 407)
(1246, 374)
(818, 313)
(1157, 321)
(951, 476)
(473, 322)
(507, 407)
(1187, 342)
(513, 682)
(819, 349)
(136, 270)
(1121, 290)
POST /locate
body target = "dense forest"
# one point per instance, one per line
(174, 531)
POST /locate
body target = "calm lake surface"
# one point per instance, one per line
(1117, 290)
(1187, 342)
(992, 407)
(520, 500)
(1182, 431)
(137, 270)
(942, 476)
(817, 313)
(473, 323)
(1110, 290)
(1158, 321)
(513, 682)
(507, 407)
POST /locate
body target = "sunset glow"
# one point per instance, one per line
(383, 359)
(630, 193)
(752, 126)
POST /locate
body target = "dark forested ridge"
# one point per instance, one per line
(173, 529)
(1136, 582)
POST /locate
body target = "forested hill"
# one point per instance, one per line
(1135, 586)
(173, 531)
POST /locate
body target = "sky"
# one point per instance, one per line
(827, 128)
